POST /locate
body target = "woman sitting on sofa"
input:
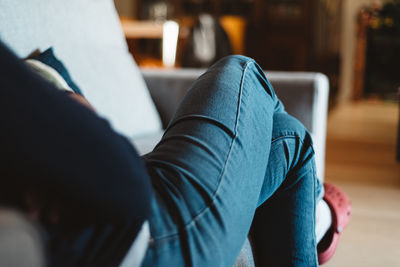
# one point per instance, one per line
(230, 159)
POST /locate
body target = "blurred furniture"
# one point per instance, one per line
(287, 35)
(235, 28)
(180, 8)
(300, 33)
(382, 64)
(206, 44)
(96, 54)
(359, 58)
(280, 34)
(137, 29)
(398, 129)
(377, 51)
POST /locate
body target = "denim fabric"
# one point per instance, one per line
(230, 153)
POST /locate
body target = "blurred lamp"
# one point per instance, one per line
(169, 42)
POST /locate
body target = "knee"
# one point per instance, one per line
(238, 65)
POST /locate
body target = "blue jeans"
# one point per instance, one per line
(232, 157)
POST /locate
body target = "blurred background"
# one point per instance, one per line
(356, 43)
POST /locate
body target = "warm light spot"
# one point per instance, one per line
(170, 40)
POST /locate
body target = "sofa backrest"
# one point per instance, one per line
(86, 35)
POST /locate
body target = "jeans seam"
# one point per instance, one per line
(301, 140)
(289, 136)
(294, 136)
(313, 171)
(315, 214)
(202, 117)
(215, 194)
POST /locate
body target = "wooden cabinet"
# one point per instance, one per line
(281, 34)
(297, 35)
(382, 77)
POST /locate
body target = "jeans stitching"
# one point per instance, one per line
(191, 116)
(289, 136)
(313, 171)
(214, 195)
(315, 205)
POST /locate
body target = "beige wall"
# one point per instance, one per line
(126, 7)
(350, 10)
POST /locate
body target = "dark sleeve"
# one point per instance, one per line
(59, 148)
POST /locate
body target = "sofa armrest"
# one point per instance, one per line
(304, 94)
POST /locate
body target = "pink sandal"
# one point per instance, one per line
(340, 207)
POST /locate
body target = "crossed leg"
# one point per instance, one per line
(230, 149)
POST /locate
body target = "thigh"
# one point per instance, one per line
(208, 169)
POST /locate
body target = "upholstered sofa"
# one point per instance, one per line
(88, 38)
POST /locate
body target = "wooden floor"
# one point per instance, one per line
(361, 160)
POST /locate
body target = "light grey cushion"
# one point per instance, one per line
(87, 37)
